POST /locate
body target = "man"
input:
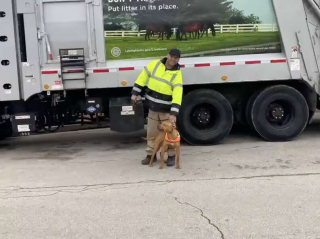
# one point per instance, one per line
(164, 87)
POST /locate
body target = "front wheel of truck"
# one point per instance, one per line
(279, 113)
(206, 117)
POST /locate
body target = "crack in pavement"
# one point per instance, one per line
(83, 188)
(35, 196)
(202, 215)
(80, 190)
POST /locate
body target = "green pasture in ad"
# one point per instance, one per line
(147, 29)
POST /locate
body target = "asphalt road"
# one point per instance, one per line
(90, 184)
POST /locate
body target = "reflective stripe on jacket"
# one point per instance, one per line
(164, 88)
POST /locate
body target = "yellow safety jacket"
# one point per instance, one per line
(163, 87)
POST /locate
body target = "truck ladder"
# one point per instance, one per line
(72, 61)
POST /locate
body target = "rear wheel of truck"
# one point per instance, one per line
(279, 113)
(206, 117)
(249, 109)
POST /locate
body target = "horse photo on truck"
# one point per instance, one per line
(148, 29)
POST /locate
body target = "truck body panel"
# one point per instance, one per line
(195, 71)
(295, 33)
(9, 52)
(31, 79)
(314, 30)
(84, 17)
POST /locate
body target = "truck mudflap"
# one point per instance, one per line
(23, 124)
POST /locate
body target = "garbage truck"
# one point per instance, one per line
(243, 61)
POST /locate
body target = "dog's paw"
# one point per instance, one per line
(151, 165)
(178, 167)
(160, 167)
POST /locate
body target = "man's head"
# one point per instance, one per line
(173, 58)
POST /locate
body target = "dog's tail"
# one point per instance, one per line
(152, 138)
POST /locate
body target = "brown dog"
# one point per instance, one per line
(168, 136)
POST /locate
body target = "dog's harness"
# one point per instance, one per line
(172, 140)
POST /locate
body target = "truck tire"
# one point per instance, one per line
(279, 113)
(249, 109)
(206, 117)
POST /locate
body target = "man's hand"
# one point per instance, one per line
(173, 120)
(134, 98)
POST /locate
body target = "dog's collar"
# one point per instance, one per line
(172, 140)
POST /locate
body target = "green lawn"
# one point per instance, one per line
(221, 41)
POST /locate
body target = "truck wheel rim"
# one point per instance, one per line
(280, 114)
(203, 117)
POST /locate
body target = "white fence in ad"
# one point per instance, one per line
(242, 28)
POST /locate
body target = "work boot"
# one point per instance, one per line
(171, 161)
(146, 161)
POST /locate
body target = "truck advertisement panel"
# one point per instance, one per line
(147, 29)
